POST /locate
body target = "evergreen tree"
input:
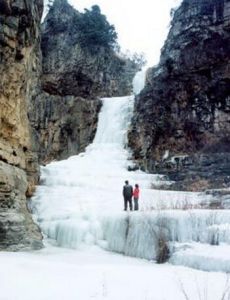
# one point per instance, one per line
(94, 29)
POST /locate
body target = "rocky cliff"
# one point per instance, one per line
(65, 115)
(182, 117)
(63, 125)
(19, 69)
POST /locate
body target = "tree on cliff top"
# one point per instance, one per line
(94, 30)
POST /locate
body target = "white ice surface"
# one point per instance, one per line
(80, 202)
(202, 256)
(139, 81)
(80, 206)
(78, 192)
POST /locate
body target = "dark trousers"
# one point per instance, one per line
(220, 11)
(126, 201)
(136, 204)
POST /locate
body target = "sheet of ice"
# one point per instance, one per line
(77, 192)
(80, 202)
(139, 81)
(202, 256)
(94, 274)
(139, 234)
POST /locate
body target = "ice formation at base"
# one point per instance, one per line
(80, 203)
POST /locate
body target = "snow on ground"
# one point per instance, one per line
(56, 273)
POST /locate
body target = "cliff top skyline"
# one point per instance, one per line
(142, 26)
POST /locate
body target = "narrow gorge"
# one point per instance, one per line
(77, 121)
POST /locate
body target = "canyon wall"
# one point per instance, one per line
(181, 124)
(19, 171)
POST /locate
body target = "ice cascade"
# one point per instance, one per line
(79, 193)
(79, 202)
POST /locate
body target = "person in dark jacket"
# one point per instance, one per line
(136, 194)
(127, 194)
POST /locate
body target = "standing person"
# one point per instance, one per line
(127, 194)
(136, 194)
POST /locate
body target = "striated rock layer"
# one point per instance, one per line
(64, 116)
(64, 126)
(182, 117)
(19, 69)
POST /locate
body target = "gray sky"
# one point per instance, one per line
(142, 26)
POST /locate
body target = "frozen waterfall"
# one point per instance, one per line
(79, 192)
(139, 81)
(80, 202)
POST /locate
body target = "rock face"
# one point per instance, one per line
(17, 230)
(64, 125)
(64, 116)
(182, 116)
(19, 69)
(69, 69)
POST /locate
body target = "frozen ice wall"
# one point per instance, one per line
(139, 234)
(79, 192)
(80, 202)
(139, 81)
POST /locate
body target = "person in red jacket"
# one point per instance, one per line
(136, 194)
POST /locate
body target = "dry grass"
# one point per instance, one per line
(184, 204)
(199, 185)
(202, 294)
